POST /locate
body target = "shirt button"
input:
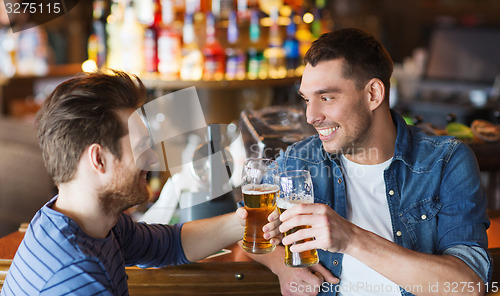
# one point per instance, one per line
(398, 233)
(424, 217)
(335, 262)
(339, 180)
(391, 192)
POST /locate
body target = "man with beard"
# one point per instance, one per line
(80, 242)
(396, 212)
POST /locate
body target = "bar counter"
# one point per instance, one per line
(229, 274)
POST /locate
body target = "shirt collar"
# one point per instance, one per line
(402, 145)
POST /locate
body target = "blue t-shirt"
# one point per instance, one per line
(57, 258)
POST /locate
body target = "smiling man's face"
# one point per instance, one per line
(335, 107)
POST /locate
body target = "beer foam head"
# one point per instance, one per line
(255, 189)
(286, 202)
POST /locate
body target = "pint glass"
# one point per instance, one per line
(296, 188)
(260, 188)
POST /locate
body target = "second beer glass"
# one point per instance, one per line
(296, 188)
(260, 188)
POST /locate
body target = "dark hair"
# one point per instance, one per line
(365, 58)
(83, 111)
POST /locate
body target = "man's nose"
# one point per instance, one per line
(314, 113)
(147, 160)
(152, 158)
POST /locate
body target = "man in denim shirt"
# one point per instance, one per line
(396, 212)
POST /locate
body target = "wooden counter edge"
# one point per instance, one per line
(229, 274)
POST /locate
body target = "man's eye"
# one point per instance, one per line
(305, 100)
(326, 98)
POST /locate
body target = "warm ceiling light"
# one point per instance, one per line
(308, 18)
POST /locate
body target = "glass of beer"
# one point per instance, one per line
(260, 188)
(296, 188)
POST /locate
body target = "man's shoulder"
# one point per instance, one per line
(54, 240)
(50, 240)
(426, 148)
(422, 139)
(49, 249)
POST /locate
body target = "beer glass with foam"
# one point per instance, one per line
(296, 188)
(260, 188)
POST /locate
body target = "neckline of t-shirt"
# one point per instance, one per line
(49, 211)
(349, 163)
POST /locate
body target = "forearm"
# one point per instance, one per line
(202, 238)
(274, 260)
(426, 274)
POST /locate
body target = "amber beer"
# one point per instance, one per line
(302, 259)
(260, 202)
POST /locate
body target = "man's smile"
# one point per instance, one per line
(326, 133)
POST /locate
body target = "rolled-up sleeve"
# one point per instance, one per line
(476, 257)
(463, 219)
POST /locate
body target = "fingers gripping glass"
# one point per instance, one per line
(296, 188)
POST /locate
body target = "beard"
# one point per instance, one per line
(126, 190)
(353, 141)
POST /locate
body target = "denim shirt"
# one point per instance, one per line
(435, 198)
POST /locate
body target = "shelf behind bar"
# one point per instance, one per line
(156, 82)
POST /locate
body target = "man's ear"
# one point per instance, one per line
(376, 93)
(97, 157)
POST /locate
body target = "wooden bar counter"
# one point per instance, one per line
(229, 274)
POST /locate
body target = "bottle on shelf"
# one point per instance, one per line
(222, 9)
(291, 46)
(235, 56)
(275, 54)
(245, 7)
(150, 40)
(192, 6)
(113, 28)
(257, 67)
(316, 25)
(8, 52)
(97, 48)
(169, 42)
(304, 36)
(192, 58)
(180, 6)
(324, 19)
(145, 10)
(214, 64)
(294, 4)
(132, 40)
(267, 6)
(242, 8)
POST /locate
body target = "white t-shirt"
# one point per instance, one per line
(367, 207)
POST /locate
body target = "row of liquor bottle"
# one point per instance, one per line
(192, 50)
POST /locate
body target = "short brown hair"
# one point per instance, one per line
(82, 111)
(364, 57)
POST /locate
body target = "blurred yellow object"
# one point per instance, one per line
(267, 5)
(89, 66)
(459, 130)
